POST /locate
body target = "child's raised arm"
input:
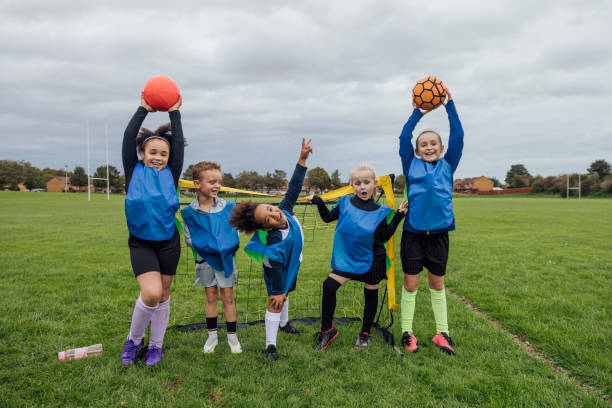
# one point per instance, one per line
(455, 139)
(406, 150)
(297, 179)
(177, 150)
(128, 150)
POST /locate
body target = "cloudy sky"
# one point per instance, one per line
(531, 79)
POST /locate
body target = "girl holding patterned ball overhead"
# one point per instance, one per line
(429, 187)
(154, 241)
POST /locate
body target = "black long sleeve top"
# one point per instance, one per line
(129, 149)
(382, 233)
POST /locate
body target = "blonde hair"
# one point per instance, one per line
(416, 143)
(362, 167)
(201, 167)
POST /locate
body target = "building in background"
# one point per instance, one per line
(472, 185)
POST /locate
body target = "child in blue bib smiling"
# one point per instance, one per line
(215, 242)
(154, 241)
(277, 244)
(429, 187)
(359, 253)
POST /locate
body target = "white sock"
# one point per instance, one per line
(284, 314)
(272, 321)
(212, 334)
(232, 336)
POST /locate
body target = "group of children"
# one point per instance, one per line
(211, 226)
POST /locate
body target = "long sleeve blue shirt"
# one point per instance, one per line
(452, 156)
(274, 269)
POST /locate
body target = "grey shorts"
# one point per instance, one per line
(206, 276)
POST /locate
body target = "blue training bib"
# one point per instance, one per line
(354, 237)
(288, 251)
(430, 195)
(151, 203)
(212, 237)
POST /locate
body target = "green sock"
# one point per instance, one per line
(408, 303)
(438, 304)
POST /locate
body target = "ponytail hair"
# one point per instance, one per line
(163, 132)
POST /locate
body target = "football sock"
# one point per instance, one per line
(284, 314)
(159, 323)
(140, 320)
(328, 303)
(211, 323)
(272, 321)
(408, 305)
(369, 308)
(231, 330)
(438, 304)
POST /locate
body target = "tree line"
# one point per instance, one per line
(13, 173)
(318, 179)
(597, 180)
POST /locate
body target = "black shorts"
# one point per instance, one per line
(377, 273)
(161, 256)
(428, 250)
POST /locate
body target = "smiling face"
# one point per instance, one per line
(270, 217)
(429, 146)
(155, 154)
(364, 183)
(209, 183)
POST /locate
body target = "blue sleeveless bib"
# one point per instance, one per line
(212, 237)
(354, 237)
(430, 195)
(151, 203)
(288, 251)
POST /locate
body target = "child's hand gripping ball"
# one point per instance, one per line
(429, 93)
(161, 93)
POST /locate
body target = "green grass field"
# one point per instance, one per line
(541, 267)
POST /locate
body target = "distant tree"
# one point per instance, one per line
(113, 177)
(496, 182)
(400, 183)
(276, 180)
(188, 173)
(121, 182)
(249, 180)
(520, 181)
(12, 172)
(318, 179)
(79, 177)
(606, 185)
(335, 179)
(228, 180)
(34, 179)
(600, 167)
(517, 170)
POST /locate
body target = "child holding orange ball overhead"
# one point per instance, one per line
(429, 187)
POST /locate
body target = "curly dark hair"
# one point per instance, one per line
(243, 217)
(164, 132)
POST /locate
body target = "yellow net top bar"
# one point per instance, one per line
(383, 181)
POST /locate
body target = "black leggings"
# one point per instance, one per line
(328, 305)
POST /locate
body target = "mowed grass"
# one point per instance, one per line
(67, 282)
(543, 268)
